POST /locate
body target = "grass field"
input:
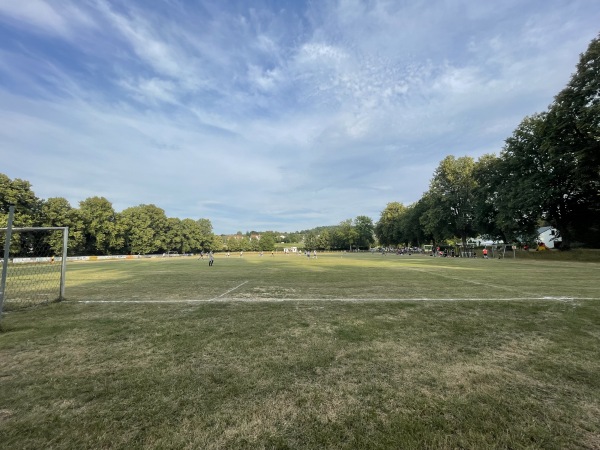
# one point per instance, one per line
(345, 351)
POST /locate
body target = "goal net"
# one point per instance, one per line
(33, 266)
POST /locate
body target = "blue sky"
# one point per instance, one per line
(261, 115)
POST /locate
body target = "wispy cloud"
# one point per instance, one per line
(263, 117)
(60, 18)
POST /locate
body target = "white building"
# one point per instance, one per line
(548, 236)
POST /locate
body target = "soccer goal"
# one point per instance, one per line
(33, 266)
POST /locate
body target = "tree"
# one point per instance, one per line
(215, 243)
(433, 220)
(412, 230)
(364, 229)
(205, 226)
(206, 232)
(311, 240)
(552, 161)
(102, 235)
(18, 192)
(389, 227)
(292, 238)
(489, 202)
(529, 182)
(267, 241)
(190, 235)
(452, 199)
(144, 229)
(324, 241)
(237, 243)
(57, 212)
(174, 236)
(572, 141)
(344, 236)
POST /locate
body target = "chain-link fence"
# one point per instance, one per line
(33, 265)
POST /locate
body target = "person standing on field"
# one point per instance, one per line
(211, 258)
(485, 253)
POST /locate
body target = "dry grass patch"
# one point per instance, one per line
(303, 374)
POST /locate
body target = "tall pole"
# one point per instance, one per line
(63, 262)
(11, 214)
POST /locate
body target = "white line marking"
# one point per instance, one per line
(349, 300)
(230, 290)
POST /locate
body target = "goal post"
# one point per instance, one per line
(34, 265)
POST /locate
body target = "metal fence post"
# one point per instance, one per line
(63, 268)
(11, 214)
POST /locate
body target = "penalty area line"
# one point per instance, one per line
(167, 301)
(230, 290)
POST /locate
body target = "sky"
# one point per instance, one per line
(271, 115)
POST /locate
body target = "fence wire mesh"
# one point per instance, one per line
(34, 273)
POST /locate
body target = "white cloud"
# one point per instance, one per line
(58, 17)
(146, 43)
(152, 89)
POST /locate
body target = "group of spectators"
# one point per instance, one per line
(398, 251)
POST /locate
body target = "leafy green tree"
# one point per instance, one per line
(206, 233)
(324, 241)
(292, 238)
(18, 192)
(433, 220)
(344, 235)
(389, 227)
(311, 240)
(551, 164)
(238, 243)
(572, 143)
(500, 213)
(174, 236)
(191, 236)
(526, 182)
(215, 243)
(144, 229)
(57, 212)
(412, 231)
(101, 232)
(252, 245)
(205, 226)
(267, 241)
(365, 231)
(452, 199)
(488, 177)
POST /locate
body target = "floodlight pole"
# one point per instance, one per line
(8, 235)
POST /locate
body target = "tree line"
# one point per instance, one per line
(547, 172)
(95, 228)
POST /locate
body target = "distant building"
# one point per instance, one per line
(549, 237)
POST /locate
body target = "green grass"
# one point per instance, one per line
(579, 254)
(339, 352)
